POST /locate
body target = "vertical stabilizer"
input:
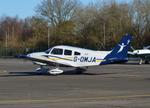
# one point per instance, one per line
(120, 51)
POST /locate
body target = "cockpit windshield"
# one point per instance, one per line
(48, 51)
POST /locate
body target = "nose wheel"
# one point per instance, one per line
(42, 69)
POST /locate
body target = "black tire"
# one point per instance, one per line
(146, 62)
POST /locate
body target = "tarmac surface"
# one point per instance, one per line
(109, 86)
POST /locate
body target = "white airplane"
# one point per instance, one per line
(80, 57)
(142, 54)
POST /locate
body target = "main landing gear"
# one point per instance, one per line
(55, 71)
(43, 69)
(145, 61)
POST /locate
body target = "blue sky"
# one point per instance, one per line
(23, 8)
(20, 8)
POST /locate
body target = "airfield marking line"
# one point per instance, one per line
(29, 101)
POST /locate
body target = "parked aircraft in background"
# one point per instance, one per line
(80, 57)
(143, 54)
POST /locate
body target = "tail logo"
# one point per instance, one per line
(122, 46)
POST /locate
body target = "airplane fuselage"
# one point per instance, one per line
(80, 57)
(142, 52)
(76, 57)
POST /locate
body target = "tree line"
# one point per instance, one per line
(96, 26)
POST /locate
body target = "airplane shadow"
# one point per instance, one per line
(74, 72)
(69, 72)
(19, 74)
(147, 79)
(131, 64)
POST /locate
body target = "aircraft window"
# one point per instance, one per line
(57, 51)
(47, 51)
(68, 52)
(77, 53)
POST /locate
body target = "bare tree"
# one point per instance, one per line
(11, 29)
(57, 11)
(140, 14)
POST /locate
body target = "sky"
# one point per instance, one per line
(20, 8)
(23, 8)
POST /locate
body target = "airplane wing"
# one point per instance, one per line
(42, 61)
(143, 57)
(138, 55)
